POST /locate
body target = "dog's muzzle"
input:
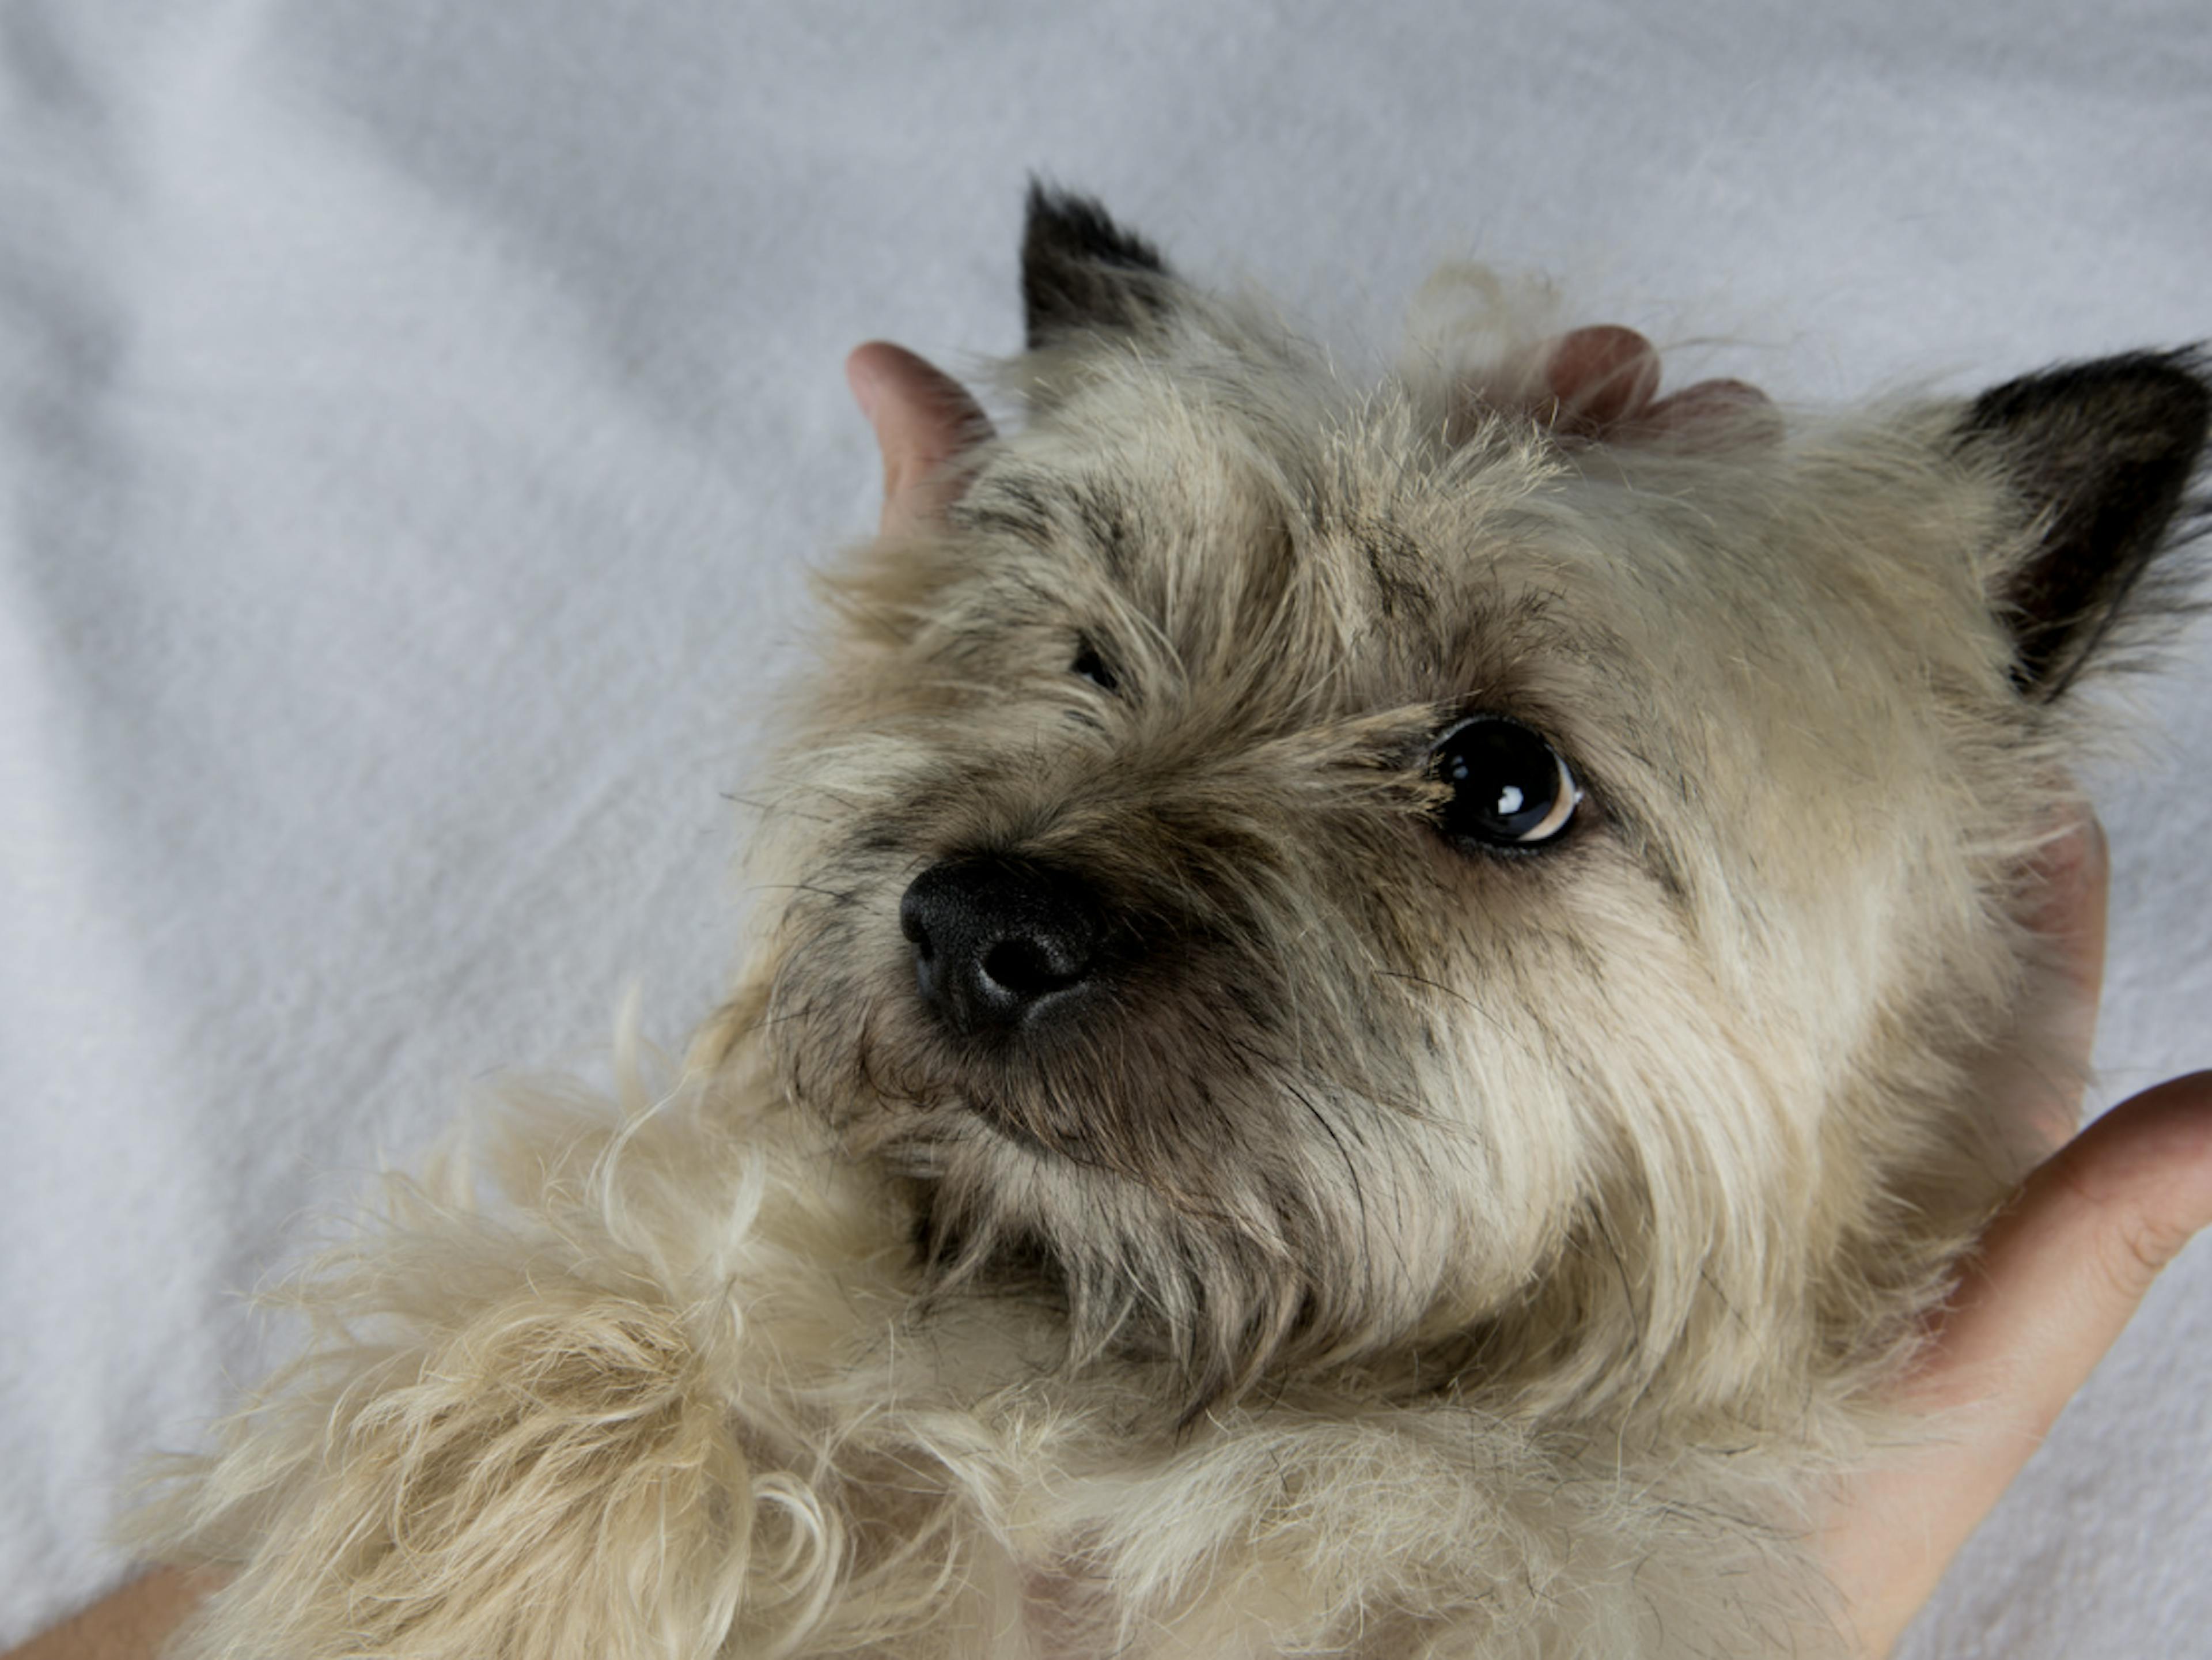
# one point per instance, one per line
(999, 941)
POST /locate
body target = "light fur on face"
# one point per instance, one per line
(1369, 1239)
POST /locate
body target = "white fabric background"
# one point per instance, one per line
(417, 417)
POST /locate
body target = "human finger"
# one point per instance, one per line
(1711, 409)
(129, 1624)
(2032, 1081)
(1603, 382)
(924, 420)
(1600, 377)
(2055, 1282)
(2075, 871)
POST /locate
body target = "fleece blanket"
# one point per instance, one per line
(419, 418)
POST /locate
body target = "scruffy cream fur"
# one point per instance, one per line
(1423, 1249)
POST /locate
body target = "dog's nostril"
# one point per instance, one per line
(1026, 968)
(994, 938)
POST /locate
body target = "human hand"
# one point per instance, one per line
(129, 1624)
(2055, 1280)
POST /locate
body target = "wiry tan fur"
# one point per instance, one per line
(1431, 1253)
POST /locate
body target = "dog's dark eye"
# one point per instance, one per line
(1508, 788)
(1092, 667)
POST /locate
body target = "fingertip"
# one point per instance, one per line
(2076, 876)
(2077, 847)
(924, 420)
(2139, 1178)
(1602, 374)
(2096, 847)
(2166, 1132)
(877, 370)
(864, 375)
(1714, 413)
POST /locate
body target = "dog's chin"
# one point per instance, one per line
(1058, 1095)
(981, 1134)
(1184, 1201)
(911, 1109)
(1220, 1282)
(1025, 1132)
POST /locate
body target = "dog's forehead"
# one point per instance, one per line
(1365, 549)
(1310, 555)
(1249, 509)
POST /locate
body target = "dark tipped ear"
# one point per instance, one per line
(1081, 271)
(2102, 452)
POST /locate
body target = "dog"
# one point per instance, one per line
(1360, 1041)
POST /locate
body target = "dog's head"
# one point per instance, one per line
(1326, 871)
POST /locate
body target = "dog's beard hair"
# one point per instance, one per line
(1183, 1172)
(1274, 1264)
(1224, 1260)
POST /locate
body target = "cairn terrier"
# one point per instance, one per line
(1360, 1044)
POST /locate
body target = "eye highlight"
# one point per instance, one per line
(1089, 666)
(1509, 788)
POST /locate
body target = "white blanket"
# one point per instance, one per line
(418, 417)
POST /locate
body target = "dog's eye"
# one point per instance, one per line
(1092, 667)
(1508, 788)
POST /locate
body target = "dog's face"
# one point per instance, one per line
(1325, 873)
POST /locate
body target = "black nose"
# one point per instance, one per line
(994, 940)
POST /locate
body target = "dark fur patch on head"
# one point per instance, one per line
(2103, 452)
(1081, 271)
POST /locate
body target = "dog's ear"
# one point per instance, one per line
(1081, 271)
(2102, 454)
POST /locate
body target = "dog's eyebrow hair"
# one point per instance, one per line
(1043, 510)
(1011, 505)
(1396, 565)
(1105, 517)
(1656, 855)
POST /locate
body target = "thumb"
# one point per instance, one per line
(2057, 1277)
(2062, 1271)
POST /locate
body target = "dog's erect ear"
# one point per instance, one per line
(2102, 452)
(1080, 271)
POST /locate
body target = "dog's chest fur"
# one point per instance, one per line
(933, 1474)
(1363, 1038)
